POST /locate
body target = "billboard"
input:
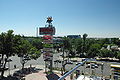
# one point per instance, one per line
(47, 37)
(47, 30)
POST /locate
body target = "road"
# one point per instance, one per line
(39, 61)
(16, 61)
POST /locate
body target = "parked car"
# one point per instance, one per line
(69, 62)
(95, 65)
(92, 66)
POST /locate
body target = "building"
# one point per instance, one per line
(74, 36)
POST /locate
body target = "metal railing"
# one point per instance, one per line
(71, 71)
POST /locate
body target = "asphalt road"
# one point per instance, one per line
(39, 61)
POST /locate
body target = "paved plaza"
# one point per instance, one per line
(42, 76)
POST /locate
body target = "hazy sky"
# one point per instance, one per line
(97, 18)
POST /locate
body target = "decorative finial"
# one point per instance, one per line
(49, 20)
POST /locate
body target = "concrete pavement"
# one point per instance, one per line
(35, 76)
(42, 76)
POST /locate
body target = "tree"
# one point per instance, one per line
(8, 46)
(37, 43)
(94, 50)
(79, 45)
(66, 46)
(118, 55)
(27, 52)
(34, 53)
(84, 36)
(106, 53)
(84, 39)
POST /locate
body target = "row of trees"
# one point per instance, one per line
(91, 47)
(25, 48)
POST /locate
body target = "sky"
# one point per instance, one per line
(97, 18)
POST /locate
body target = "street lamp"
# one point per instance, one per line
(102, 69)
(9, 60)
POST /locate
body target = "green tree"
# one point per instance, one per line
(8, 47)
(94, 50)
(79, 46)
(84, 43)
(24, 49)
(27, 52)
(118, 55)
(37, 43)
(34, 53)
(106, 53)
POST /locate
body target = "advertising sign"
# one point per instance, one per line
(47, 49)
(47, 30)
(47, 56)
(48, 45)
(47, 37)
(48, 41)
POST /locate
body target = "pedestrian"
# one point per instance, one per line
(71, 77)
(14, 66)
(30, 65)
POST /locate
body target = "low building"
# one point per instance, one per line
(74, 36)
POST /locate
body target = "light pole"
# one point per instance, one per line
(9, 60)
(63, 61)
(102, 69)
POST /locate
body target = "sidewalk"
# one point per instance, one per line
(36, 76)
(6, 73)
(41, 76)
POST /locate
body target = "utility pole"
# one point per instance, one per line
(37, 32)
(63, 64)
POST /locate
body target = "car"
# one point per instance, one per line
(88, 66)
(74, 60)
(85, 59)
(61, 55)
(93, 66)
(69, 62)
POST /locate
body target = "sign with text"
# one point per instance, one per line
(47, 56)
(47, 30)
(47, 49)
(47, 37)
(48, 41)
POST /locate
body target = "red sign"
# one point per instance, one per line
(47, 37)
(47, 30)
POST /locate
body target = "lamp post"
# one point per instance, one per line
(102, 69)
(9, 60)
(63, 61)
